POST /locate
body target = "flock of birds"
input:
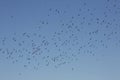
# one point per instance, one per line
(81, 33)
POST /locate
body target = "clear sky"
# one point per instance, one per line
(59, 39)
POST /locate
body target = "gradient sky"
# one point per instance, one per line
(101, 61)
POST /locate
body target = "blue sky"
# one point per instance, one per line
(59, 39)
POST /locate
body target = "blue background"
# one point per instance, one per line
(83, 36)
